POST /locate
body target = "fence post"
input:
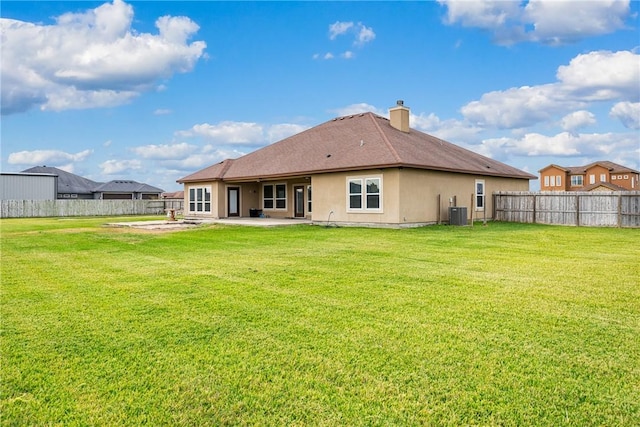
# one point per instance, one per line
(577, 210)
(619, 209)
(534, 210)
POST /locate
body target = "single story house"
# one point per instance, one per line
(121, 189)
(361, 169)
(72, 186)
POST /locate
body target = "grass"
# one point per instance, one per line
(507, 324)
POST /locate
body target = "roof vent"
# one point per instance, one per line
(400, 102)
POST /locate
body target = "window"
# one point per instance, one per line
(559, 181)
(309, 199)
(576, 180)
(613, 177)
(364, 194)
(546, 181)
(373, 193)
(626, 177)
(479, 194)
(274, 196)
(200, 199)
(592, 179)
(603, 177)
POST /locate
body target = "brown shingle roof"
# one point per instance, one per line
(356, 142)
(581, 170)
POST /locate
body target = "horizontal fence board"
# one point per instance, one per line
(593, 209)
(66, 208)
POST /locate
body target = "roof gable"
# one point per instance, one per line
(355, 142)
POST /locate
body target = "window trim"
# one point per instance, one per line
(275, 197)
(362, 179)
(480, 196)
(578, 181)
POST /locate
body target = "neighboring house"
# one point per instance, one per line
(597, 176)
(357, 169)
(28, 186)
(71, 186)
(126, 190)
(175, 195)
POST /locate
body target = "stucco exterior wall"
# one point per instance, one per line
(289, 211)
(409, 196)
(330, 196)
(427, 195)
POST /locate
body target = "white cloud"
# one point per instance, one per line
(347, 54)
(602, 76)
(517, 107)
(595, 146)
(338, 28)
(546, 21)
(365, 35)
(357, 109)
(577, 120)
(228, 132)
(456, 131)
(596, 76)
(484, 14)
(557, 21)
(162, 112)
(628, 113)
(284, 130)
(164, 151)
(90, 59)
(114, 167)
(47, 157)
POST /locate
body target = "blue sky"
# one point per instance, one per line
(153, 91)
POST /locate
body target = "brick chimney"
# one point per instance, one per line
(399, 116)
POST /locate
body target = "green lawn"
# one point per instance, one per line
(507, 324)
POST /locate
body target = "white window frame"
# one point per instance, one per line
(603, 177)
(480, 198)
(614, 177)
(559, 181)
(362, 180)
(275, 199)
(546, 181)
(592, 178)
(201, 200)
(577, 180)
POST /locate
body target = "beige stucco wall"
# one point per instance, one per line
(330, 197)
(410, 196)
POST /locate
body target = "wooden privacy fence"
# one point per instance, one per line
(594, 209)
(63, 208)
